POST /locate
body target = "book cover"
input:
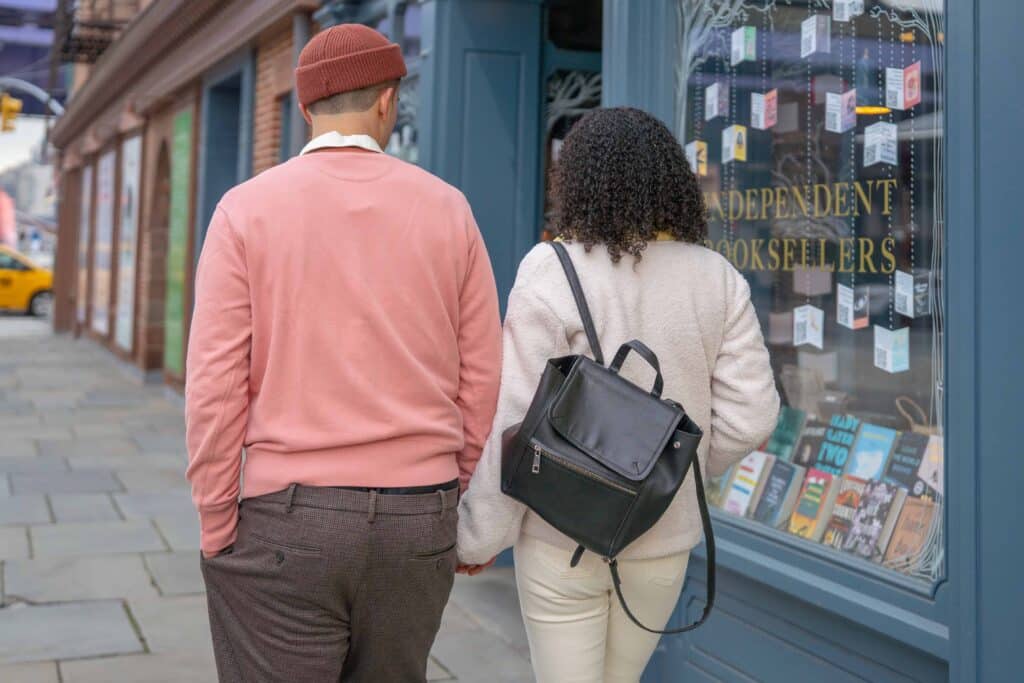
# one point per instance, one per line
(716, 100)
(782, 486)
(764, 109)
(841, 111)
(846, 10)
(912, 531)
(847, 501)
(734, 143)
(871, 452)
(913, 293)
(905, 463)
(814, 506)
(852, 306)
(876, 516)
(815, 35)
(880, 144)
(744, 483)
(787, 431)
(892, 349)
(809, 326)
(766, 468)
(931, 470)
(806, 451)
(697, 155)
(834, 451)
(744, 45)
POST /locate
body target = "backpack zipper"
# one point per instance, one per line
(539, 451)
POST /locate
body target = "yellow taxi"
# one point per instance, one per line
(24, 286)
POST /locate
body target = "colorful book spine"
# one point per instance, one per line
(744, 483)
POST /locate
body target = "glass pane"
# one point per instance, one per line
(817, 135)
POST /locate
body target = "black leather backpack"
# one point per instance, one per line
(601, 459)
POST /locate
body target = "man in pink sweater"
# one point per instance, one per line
(346, 336)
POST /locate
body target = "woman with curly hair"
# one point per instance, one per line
(632, 215)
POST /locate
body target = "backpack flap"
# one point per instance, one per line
(612, 420)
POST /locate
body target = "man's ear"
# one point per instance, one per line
(387, 100)
(305, 113)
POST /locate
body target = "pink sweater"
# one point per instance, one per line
(345, 333)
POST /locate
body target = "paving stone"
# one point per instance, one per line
(161, 443)
(177, 463)
(64, 579)
(143, 505)
(17, 447)
(84, 481)
(33, 464)
(176, 667)
(37, 431)
(96, 429)
(493, 601)
(181, 531)
(17, 408)
(83, 507)
(24, 510)
(175, 624)
(31, 633)
(176, 573)
(468, 653)
(139, 480)
(46, 400)
(90, 446)
(93, 538)
(13, 543)
(117, 397)
(35, 672)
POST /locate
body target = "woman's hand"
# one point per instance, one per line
(474, 569)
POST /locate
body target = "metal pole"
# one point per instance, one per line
(9, 83)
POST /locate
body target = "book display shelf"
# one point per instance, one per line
(822, 170)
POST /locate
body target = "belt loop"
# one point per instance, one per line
(291, 498)
(440, 493)
(372, 512)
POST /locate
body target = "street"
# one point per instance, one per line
(99, 539)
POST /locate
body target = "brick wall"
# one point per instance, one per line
(273, 81)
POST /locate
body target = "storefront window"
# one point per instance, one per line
(816, 132)
(84, 237)
(408, 33)
(101, 257)
(131, 169)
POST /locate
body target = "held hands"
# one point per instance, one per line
(474, 569)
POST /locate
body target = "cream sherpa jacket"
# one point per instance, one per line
(693, 309)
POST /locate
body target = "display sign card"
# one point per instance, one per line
(808, 326)
(880, 144)
(811, 281)
(734, 143)
(845, 10)
(892, 349)
(815, 35)
(841, 111)
(697, 155)
(913, 293)
(716, 100)
(764, 109)
(744, 45)
(903, 87)
(852, 306)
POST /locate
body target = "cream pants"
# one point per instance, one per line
(577, 630)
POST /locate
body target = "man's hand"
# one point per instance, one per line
(474, 569)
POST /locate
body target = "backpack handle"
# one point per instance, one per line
(644, 352)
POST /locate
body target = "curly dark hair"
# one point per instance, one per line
(621, 178)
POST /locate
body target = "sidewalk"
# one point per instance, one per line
(99, 541)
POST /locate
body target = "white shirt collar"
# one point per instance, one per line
(335, 139)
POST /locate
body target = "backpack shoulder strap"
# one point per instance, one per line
(581, 300)
(709, 539)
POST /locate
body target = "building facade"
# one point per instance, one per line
(857, 161)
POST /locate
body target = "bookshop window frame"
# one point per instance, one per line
(817, 137)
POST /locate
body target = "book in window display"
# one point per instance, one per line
(743, 490)
(833, 212)
(843, 511)
(814, 506)
(880, 506)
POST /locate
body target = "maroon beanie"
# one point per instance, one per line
(343, 58)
